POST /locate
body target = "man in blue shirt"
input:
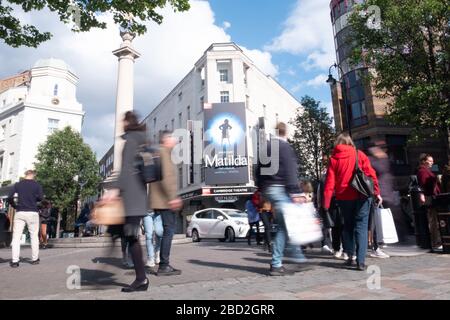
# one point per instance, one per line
(29, 193)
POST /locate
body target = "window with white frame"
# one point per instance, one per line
(224, 96)
(55, 90)
(223, 75)
(52, 125)
(180, 119)
(11, 163)
(202, 102)
(180, 96)
(188, 112)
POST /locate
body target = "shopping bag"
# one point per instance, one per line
(385, 226)
(302, 224)
(108, 213)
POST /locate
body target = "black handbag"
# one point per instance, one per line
(148, 164)
(360, 182)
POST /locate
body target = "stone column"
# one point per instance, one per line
(125, 90)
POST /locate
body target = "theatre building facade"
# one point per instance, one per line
(216, 112)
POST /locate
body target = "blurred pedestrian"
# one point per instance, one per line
(281, 188)
(253, 221)
(446, 179)
(267, 218)
(29, 192)
(327, 222)
(153, 229)
(134, 196)
(44, 218)
(165, 202)
(380, 163)
(430, 186)
(355, 206)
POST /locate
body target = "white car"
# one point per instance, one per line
(222, 224)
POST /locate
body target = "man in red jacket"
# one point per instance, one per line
(430, 186)
(354, 206)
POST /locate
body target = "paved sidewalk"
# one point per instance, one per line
(213, 270)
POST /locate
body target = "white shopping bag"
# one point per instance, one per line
(302, 224)
(385, 226)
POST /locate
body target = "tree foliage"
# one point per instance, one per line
(130, 14)
(313, 137)
(410, 59)
(59, 160)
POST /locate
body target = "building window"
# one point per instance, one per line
(223, 75)
(154, 123)
(52, 125)
(264, 111)
(202, 102)
(276, 118)
(55, 90)
(224, 96)
(11, 163)
(247, 101)
(189, 113)
(398, 155)
(180, 119)
(1, 166)
(180, 177)
(362, 143)
(180, 96)
(173, 124)
(166, 127)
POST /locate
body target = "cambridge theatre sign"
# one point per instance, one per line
(225, 150)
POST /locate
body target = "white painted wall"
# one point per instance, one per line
(27, 111)
(261, 89)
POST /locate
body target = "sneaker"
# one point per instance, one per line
(280, 271)
(157, 257)
(345, 256)
(440, 248)
(34, 262)
(354, 258)
(378, 254)
(14, 264)
(327, 249)
(338, 254)
(168, 271)
(150, 263)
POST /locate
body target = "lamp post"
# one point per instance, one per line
(332, 81)
(81, 184)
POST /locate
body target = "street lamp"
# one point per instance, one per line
(332, 81)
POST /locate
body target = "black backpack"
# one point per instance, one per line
(148, 164)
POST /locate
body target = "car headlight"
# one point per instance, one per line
(241, 223)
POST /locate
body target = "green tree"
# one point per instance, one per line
(313, 137)
(130, 14)
(62, 160)
(410, 56)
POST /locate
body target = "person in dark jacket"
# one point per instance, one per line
(29, 193)
(431, 187)
(44, 217)
(133, 192)
(280, 188)
(354, 206)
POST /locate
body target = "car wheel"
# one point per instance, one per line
(195, 236)
(230, 235)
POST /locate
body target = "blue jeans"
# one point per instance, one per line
(356, 220)
(153, 223)
(278, 196)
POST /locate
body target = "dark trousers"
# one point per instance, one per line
(356, 217)
(326, 241)
(336, 235)
(265, 217)
(132, 227)
(168, 220)
(258, 235)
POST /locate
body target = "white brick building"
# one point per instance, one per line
(32, 105)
